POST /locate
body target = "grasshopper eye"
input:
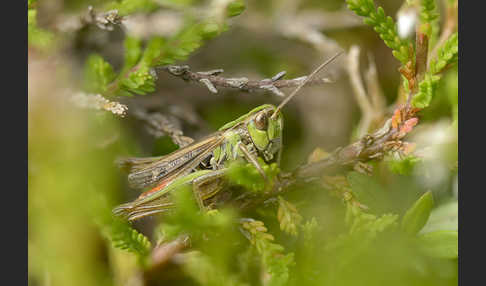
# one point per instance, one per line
(261, 121)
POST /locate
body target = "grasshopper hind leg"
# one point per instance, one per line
(213, 186)
(124, 211)
(132, 211)
(203, 187)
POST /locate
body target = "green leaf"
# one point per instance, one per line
(365, 225)
(133, 52)
(210, 30)
(416, 216)
(97, 74)
(152, 52)
(127, 7)
(309, 229)
(443, 217)
(447, 54)
(440, 244)
(363, 186)
(427, 88)
(367, 191)
(180, 46)
(235, 8)
(246, 175)
(403, 166)
(363, 228)
(141, 81)
(137, 76)
(275, 262)
(428, 16)
(288, 216)
(123, 236)
(160, 51)
(176, 4)
(203, 269)
(383, 25)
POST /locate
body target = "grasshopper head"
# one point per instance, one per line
(266, 131)
(265, 123)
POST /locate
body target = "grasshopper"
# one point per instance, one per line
(255, 134)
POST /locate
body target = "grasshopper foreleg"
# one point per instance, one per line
(252, 160)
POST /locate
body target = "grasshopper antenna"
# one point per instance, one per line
(318, 69)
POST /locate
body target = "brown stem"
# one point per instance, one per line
(422, 47)
(369, 147)
(162, 254)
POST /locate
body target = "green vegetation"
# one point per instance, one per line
(382, 217)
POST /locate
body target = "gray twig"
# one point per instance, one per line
(97, 102)
(212, 80)
(103, 20)
(106, 20)
(159, 125)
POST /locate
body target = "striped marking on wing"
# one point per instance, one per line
(146, 173)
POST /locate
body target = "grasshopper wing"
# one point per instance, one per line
(146, 172)
(132, 164)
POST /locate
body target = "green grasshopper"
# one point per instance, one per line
(202, 163)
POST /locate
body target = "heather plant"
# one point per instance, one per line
(376, 205)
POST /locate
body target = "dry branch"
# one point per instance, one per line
(162, 253)
(212, 80)
(97, 102)
(159, 125)
(386, 139)
(362, 99)
(103, 20)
